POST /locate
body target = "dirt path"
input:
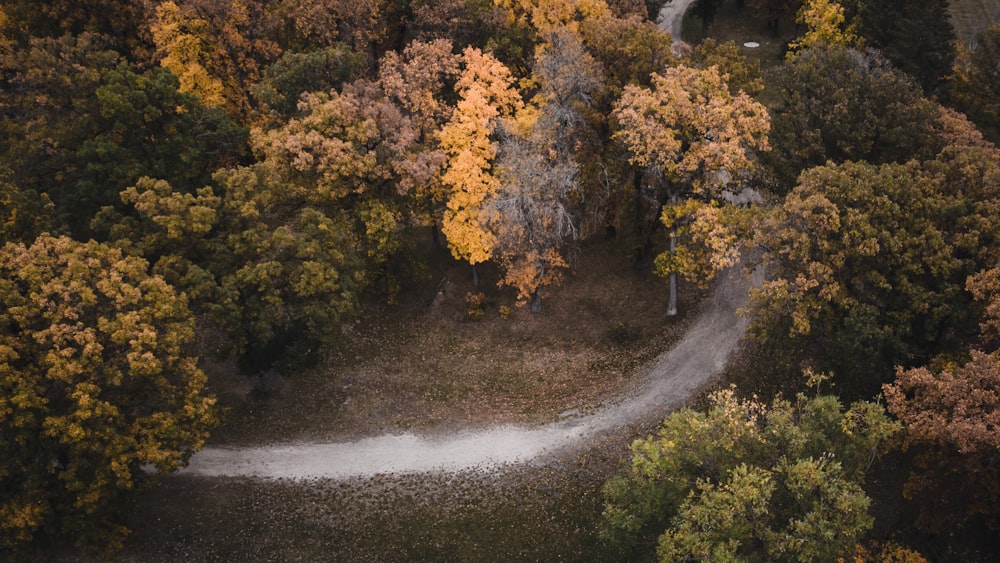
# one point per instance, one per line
(698, 358)
(671, 16)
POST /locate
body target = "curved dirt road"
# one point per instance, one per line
(671, 16)
(698, 358)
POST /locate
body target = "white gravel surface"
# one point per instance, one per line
(698, 358)
(671, 16)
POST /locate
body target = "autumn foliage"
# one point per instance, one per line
(98, 392)
(951, 418)
(271, 168)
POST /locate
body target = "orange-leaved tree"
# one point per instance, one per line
(487, 95)
(698, 140)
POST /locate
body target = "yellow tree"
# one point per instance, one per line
(547, 15)
(697, 138)
(825, 25)
(487, 96)
(97, 391)
(180, 43)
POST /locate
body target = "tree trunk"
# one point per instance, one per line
(475, 276)
(672, 300)
(435, 237)
(536, 302)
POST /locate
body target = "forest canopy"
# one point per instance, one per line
(254, 174)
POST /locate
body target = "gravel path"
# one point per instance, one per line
(698, 358)
(671, 16)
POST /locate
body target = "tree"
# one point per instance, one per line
(24, 214)
(825, 25)
(528, 215)
(290, 273)
(742, 73)
(695, 136)
(839, 104)
(975, 82)
(951, 418)
(486, 95)
(364, 26)
(173, 231)
(705, 10)
(98, 394)
(985, 287)
(628, 50)
(217, 48)
(547, 15)
(529, 212)
(418, 81)
(916, 35)
(870, 262)
(744, 480)
(293, 74)
(123, 22)
(83, 126)
(325, 213)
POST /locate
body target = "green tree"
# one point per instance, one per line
(123, 22)
(916, 35)
(24, 214)
(744, 480)
(294, 73)
(84, 125)
(290, 270)
(839, 104)
(870, 262)
(975, 82)
(98, 394)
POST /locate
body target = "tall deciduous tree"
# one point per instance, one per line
(96, 389)
(529, 216)
(744, 480)
(123, 22)
(694, 135)
(951, 418)
(24, 214)
(916, 35)
(840, 104)
(291, 271)
(487, 95)
(83, 126)
(293, 74)
(217, 48)
(547, 15)
(825, 24)
(975, 82)
(870, 262)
